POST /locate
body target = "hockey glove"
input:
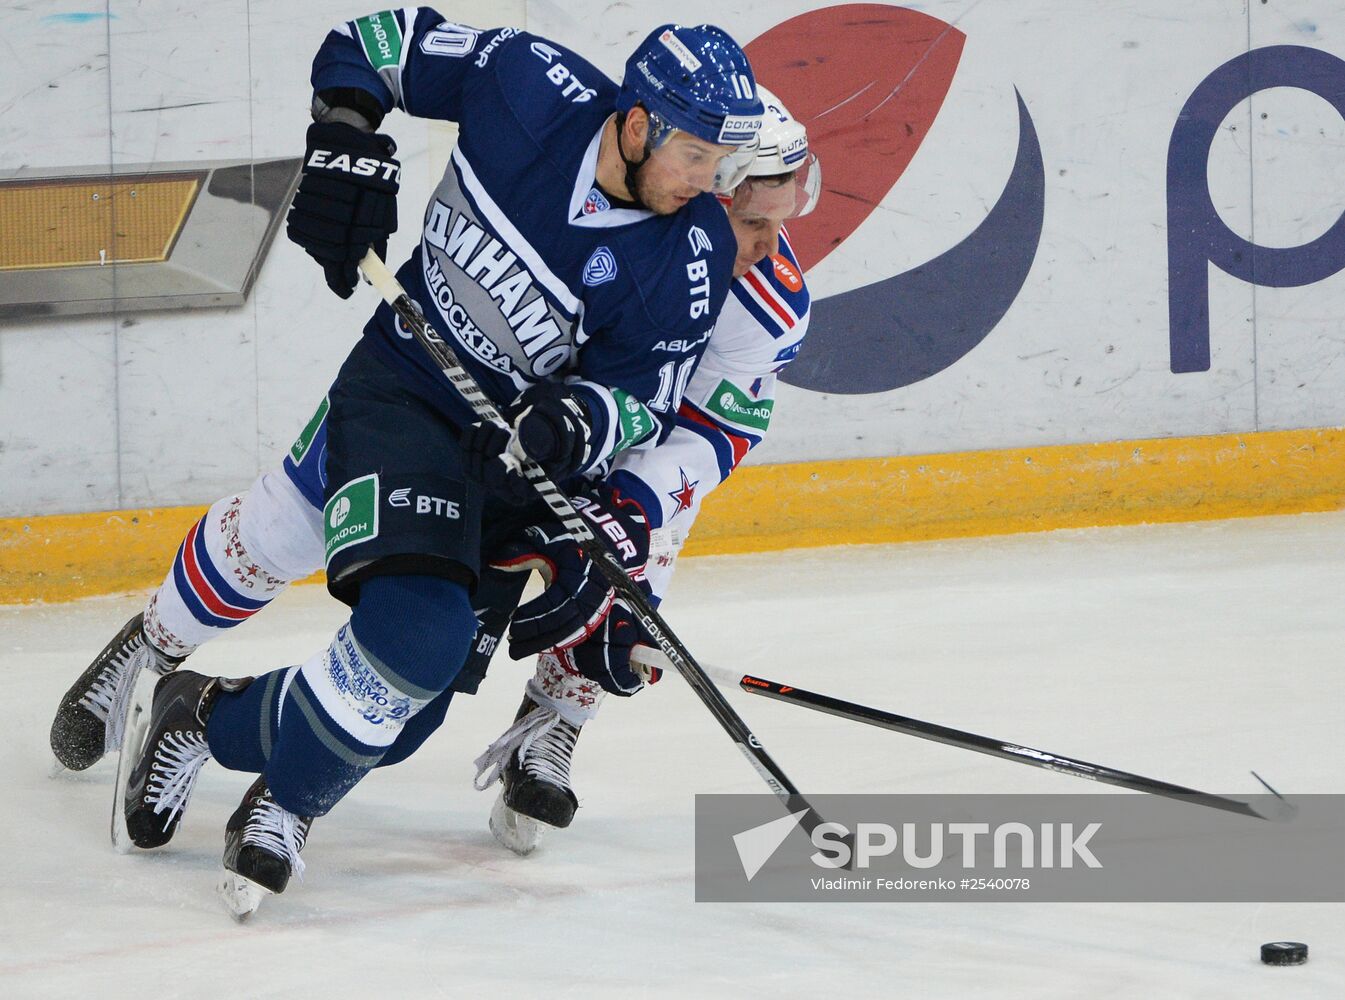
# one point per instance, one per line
(484, 446)
(577, 596)
(346, 201)
(552, 424)
(604, 656)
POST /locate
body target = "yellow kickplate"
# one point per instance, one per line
(64, 556)
(961, 494)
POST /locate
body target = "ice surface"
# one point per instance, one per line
(1191, 653)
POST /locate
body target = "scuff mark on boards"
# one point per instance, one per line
(78, 17)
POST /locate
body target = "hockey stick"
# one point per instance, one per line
(672, 648)
(1282, 812)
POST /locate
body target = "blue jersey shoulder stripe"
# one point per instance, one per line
(767, 320)
(717, 440)
(492, 215)
(798, 300)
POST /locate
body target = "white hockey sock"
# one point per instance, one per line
(568, 693)
(560, 695)
(234, 562)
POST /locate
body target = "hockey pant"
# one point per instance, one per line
(238, 558)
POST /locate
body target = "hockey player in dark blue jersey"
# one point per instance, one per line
(558, 225)
(574, 257)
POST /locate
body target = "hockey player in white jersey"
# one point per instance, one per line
(568, 319)
(725, 412)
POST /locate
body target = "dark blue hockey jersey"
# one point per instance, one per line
(523, 266)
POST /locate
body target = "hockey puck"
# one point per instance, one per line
(1284, 953)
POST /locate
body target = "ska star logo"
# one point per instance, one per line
(685, 495)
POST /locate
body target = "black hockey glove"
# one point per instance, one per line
(347, 200)
(604, 656)
(484, 445)
(577, 597)
(553, 426)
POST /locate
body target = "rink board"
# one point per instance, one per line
(851, 501)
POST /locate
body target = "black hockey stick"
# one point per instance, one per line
(1282, 812)
(676, 653)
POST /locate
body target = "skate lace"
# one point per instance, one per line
(172, 776)
(544, 742)
(274, 828)
(114, 725)
(108, 690)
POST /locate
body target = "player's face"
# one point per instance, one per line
(681, 168)
(756, 213)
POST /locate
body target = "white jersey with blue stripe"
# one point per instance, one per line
(516, 268)
(727, 405)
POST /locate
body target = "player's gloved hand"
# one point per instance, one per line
(346, 201)
(577, 597)
(554, 427)
(484, 447)
(605, 655)
(551, 423)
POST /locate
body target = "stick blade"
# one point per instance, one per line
(1278, 810)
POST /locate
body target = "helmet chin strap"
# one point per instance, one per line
(633, 166)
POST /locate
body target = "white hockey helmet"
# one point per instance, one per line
(782, 151)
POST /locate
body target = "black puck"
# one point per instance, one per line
(1284, 953)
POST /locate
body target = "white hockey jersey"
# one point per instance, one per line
(726, 408)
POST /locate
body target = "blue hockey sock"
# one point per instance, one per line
(417, 730)
(241, 729)
(406, 640)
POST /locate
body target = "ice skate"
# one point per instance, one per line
(532, 761)
(162, 754)
(88, 723)
(261, 851)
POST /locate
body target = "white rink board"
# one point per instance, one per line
(1082, 355)
(1190, 653)
(157, 409)
(166, 408)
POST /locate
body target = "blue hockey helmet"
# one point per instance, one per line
(695, 79)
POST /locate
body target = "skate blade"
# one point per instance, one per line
(241, 896)
(515, 831)
(135, 731)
